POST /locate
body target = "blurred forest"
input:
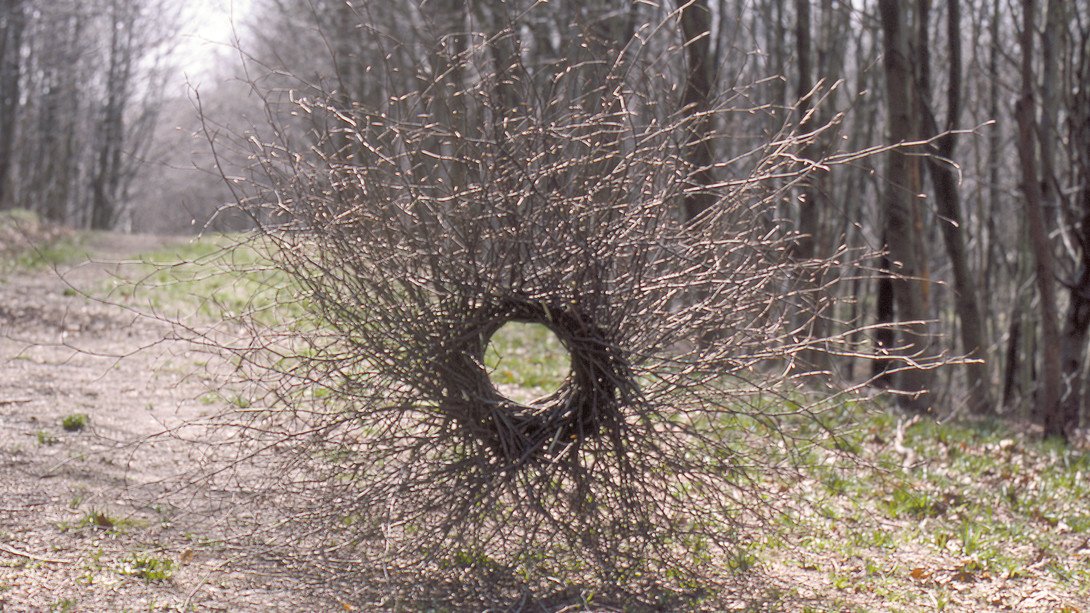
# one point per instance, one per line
(982, 207)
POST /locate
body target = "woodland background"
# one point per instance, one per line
(983, 214)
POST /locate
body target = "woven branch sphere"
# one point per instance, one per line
(414, 243)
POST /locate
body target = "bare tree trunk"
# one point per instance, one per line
(1049, 388)
(948, 205)
(809, 245)
(456, 44)
(503, 46)
(903, 219)
(884, 335)
(1049, 105)
(12, 25)
(995, 156)
(106, 185)
(696, 29)
(1077, 320)
(808, 211)
(1076, 325)
(1010, 370)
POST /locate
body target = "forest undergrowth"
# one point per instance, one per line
(899, 513)
(896, 512)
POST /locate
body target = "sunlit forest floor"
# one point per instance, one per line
(957, 516)
(918, 515)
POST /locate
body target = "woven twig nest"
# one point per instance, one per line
(413, 244)
(588, 403)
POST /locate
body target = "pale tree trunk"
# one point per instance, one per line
(1077, 320)
(1049, 386)
(948, 207)
(903, 217)
(106, 185)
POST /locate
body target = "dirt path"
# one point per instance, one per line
(83, 522)
(94, 519)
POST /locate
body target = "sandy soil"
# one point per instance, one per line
(84, 515)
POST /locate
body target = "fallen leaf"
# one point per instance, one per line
(920, 573)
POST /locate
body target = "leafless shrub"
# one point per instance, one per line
(409, 236)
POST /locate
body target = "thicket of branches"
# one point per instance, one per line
(949, 76)
(414, 222)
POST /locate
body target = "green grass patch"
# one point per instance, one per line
(216, 277)
(147, 567)
(28, 244)
(933, 509)
(528, 358)
(76, 422)
(101, 520)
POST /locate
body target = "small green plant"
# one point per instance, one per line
(240, 401)
(907, 502)
(65, 605)
(970, 538)
(841, 582)
(45, 438)
(75, 422)
(741, 560)
(147, 567)
(99, 520)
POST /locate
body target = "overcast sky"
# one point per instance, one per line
(207, 33)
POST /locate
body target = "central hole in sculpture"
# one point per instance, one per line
(526, 362)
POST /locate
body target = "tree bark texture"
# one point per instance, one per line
(12, 25)
(948, 206)
(695, 20)
(1077, 319)
(106, 186)
(884, 335)
(903, 217)
(1050, 384)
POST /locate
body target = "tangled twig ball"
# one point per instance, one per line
(412, 240)
(587, 405)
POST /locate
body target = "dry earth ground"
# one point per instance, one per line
(93, 520)
(84, 521)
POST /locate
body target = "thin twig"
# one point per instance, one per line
(23, 554)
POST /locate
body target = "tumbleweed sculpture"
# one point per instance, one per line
(411, 234)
